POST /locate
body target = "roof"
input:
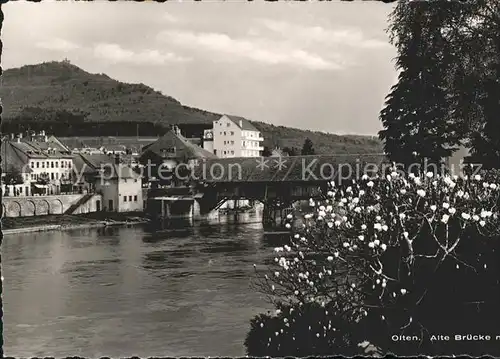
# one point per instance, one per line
(104, 164)
(115, 148)
(14, 157)
(246, 125)
(183, 147)
(294, 168)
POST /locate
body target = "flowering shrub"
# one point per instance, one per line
(396, 256)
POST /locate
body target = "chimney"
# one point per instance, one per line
(12, 136)
(241, 123)
(117, 159)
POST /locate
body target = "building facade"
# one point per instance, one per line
(44, 163)
(235, 136)
(120, 188)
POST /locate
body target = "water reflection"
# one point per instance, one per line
(167, 290)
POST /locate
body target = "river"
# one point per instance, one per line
(127, 291)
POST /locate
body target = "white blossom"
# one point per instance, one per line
(452, 210)
(493, 186)
(371, 245)
(446, 205)
(361, 238)
(383, 246)
(377, 226)
(403, 291)
(433, 208)
(477, 177)
(466, 216)
(445, 218)
(430, 174)
(370, 184)
(482, 223)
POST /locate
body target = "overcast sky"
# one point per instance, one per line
(318, 65)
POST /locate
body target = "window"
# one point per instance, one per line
(69, 164)
(232, 142)
(221, 133)
(227, 124)
(32, 164)
(52, 176)
(224, 152)
(43, 164)
(224, 133)
(135, 198)
(57, 164)
(232, 133)
(130, 198)
(124, 198)
(51, 164)
(47, 164)
(232, 152)
(135, 179)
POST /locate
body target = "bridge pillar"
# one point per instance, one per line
(274, 215)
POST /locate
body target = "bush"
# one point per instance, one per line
(416, 256)
(300, 331)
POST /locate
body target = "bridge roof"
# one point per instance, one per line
(316, 168)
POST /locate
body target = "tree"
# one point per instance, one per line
(458, 43)
(307, 148)
(291, 151)
(391, 256)
(266, 152)
(416, 118)
(13, 176)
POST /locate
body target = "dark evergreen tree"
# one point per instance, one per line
(307, 148)
(266, 152)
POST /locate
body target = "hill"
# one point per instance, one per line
(64, 99)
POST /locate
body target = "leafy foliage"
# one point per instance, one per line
(398, 256)
(447, 92)
(13, 176)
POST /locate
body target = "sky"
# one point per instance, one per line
(321, 66)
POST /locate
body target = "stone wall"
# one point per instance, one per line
(43, 205)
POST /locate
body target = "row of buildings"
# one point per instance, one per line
(38, 164)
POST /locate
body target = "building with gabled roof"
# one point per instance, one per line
(118, 184)
(44, 162)
(235, 136)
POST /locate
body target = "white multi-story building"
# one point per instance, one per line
(235, 136)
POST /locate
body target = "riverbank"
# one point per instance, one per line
(66, 222)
